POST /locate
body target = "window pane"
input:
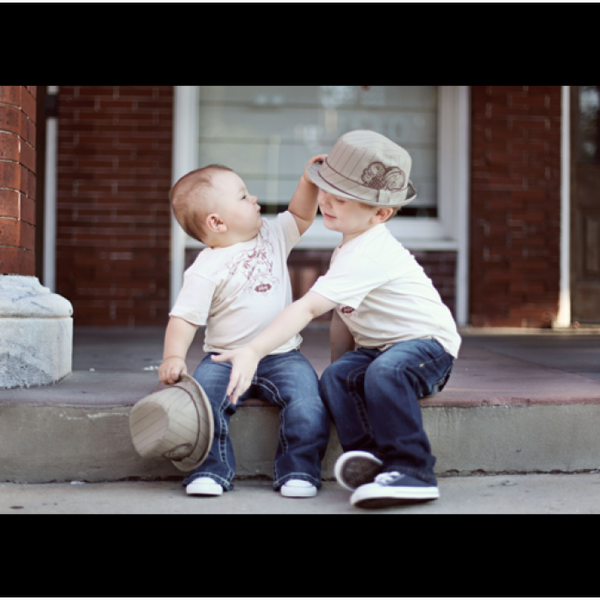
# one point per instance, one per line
(589, 131)
(267, 134)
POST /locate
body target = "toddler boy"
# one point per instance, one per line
(235, 287)
(393, 341)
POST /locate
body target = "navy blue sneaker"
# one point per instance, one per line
(390, 489)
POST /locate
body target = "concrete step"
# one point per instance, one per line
(507, 408)
(83, 433)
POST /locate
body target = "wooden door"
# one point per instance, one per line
(585, 204)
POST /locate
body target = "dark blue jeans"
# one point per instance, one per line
(287, 381)
(373, 399)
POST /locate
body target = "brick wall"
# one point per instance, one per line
(440, 266)
(113, 213)
(17, 179)
(515, 205)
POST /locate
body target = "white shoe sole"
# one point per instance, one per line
(204, 486)
(355, 468)
(374, 495)
(298, 489)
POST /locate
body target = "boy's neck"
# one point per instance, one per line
(347, 237)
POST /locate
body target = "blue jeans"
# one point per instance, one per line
(287, 381)
(373, 399)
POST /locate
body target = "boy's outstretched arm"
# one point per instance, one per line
(303, 204)
(289, 322)
(178, 338)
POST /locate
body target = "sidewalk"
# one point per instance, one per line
(496, 494)
(517, 402)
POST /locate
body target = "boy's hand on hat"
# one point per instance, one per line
(171, 369)
(244, 362)
(318, 158)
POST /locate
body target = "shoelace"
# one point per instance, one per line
(387, 477)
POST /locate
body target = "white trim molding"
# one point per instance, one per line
(563, 318)
(50, 196)
(185, 159)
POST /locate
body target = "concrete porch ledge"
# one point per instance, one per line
(36, 340)
(507, 408)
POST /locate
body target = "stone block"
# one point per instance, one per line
(36, 340)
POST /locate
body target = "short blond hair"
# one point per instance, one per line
(190, 201)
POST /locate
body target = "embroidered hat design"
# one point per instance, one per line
(378, 177)
(368, 167)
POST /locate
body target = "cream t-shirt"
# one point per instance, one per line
(238, 290)
(383, 294)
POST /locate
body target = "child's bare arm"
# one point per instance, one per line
(178, 338)
(289, 322)
(303, 204)
(340, 338)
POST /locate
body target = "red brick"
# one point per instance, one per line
(10, 232)
(27, 210)
(17, 261)
(137, 91)
(27, 236)
(27, 156)
(10, 175)
(9, 261)
(28, 103)
(10, 94)
(96, 91)
(11, 120)
(9, 203)
(9, 146)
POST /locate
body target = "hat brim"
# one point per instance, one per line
(175, 422)
(313, 173)
(205, 424)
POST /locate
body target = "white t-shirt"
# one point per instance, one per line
(383, 294)
(238, 290)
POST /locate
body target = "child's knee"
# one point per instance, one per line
(329, 381)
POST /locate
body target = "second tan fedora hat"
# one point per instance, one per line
(368, 167)
(174, 423)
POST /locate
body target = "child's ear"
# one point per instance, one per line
(215, 223)
(383, 214)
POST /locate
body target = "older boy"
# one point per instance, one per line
(405, 337)
(235, 286)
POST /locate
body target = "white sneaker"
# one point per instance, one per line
(204, 486)
(390, 489)
(298, 488)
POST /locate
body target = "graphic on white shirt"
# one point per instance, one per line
(256, 265)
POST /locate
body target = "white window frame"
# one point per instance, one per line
(449, 231)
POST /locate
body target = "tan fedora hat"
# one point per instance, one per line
(368, 167)
(174, 423)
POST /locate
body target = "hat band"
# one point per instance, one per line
(375, 177)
